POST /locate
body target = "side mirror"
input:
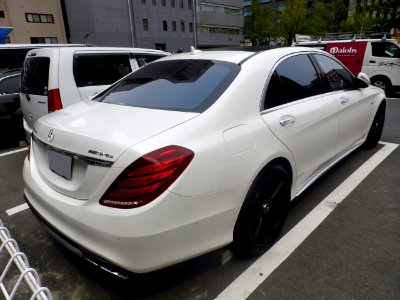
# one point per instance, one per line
(362, 80)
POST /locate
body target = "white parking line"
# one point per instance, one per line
(250, 279)
(13, 152)
(17, 209)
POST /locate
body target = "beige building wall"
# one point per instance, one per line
(23, 31)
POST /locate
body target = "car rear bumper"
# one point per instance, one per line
(174, 229)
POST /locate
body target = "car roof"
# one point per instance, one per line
(239, 56)
(31, 46)
(99, 49)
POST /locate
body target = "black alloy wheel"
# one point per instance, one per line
(376, 128)
(264, 212)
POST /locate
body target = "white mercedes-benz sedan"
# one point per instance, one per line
(194, 152)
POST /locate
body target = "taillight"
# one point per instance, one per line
(54, 100)
(147, 177)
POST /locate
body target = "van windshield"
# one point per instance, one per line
(180, 85)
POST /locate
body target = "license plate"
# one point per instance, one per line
(60, 164)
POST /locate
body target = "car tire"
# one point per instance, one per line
(263, 213)
(383, 83)
(375, 131)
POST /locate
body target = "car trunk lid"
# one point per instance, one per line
(74, 149)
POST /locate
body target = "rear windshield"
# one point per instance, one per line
(180, 85)
(100, 69)
(35, 75)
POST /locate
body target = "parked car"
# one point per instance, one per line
(196, 151)
(10, 111)
(12, 58)
(54, 78)
(378, 58)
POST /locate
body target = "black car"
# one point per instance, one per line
(10, 110)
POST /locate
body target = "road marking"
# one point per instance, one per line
(13, 152)
(250, 279)
(17, 209)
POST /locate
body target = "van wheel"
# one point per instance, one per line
(263, 213)
(375, 131)
(382, 82)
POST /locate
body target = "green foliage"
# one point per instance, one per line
(259, 25)
(328, 17)
(293, 20)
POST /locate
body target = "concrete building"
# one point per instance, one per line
(162, 24)
(32, 21)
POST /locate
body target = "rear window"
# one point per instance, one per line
(180, 85)
(35, 75)
(100, 69)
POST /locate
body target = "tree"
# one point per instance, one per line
(360, 18)
(259, 26)
(293, 20)
(387, 15)
(328, 17)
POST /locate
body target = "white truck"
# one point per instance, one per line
(378, 58)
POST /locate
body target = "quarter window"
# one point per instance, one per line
(338, 77)
(294, 78)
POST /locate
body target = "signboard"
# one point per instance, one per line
(351, 54)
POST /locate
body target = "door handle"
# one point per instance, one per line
(286, 120)
(372, 61)
(344, 100)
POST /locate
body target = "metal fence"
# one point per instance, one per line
(17, 277)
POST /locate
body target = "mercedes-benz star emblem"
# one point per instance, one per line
(50, 136)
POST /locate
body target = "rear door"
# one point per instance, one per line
(302, 115)
(34, 89)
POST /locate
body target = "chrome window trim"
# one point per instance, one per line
(89, 160)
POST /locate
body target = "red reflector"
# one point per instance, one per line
(147, 177)
(54, 100)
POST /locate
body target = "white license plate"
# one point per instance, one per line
(60, 164)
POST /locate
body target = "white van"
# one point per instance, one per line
(54, 78)
(378, 58)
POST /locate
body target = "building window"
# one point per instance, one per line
(219, 9)
(190, 4)
(143, 1)
(182, 26)
(145, 24)
(190, 27)
(160, 46)
(165, 25)
(39, 18)
(154, 2)
(172, 3)
(164, 2)
(44, 40)
(173, 25)
(181, 3)
(2, 14)
(219, 29)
